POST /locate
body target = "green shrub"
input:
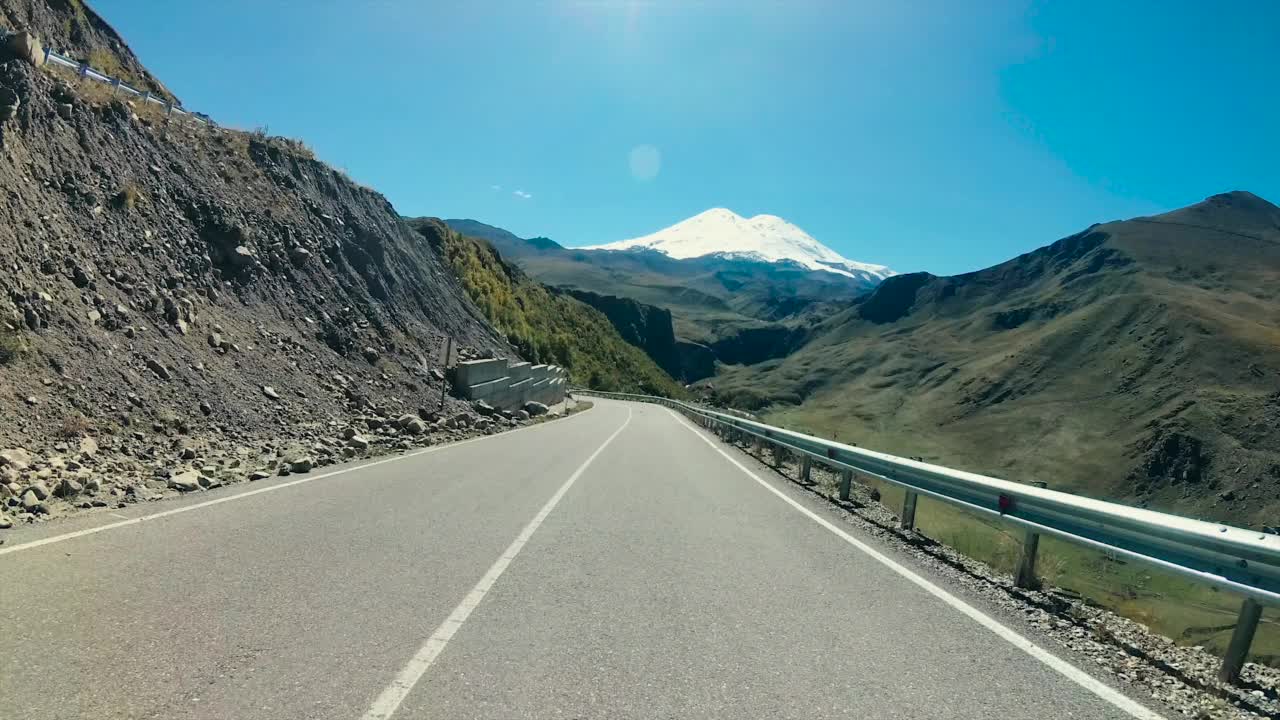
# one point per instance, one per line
(548, 327)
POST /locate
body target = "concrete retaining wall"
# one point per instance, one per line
(509, 386)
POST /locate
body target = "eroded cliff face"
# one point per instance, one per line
(189, 297)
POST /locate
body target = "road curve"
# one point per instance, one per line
(614, 564)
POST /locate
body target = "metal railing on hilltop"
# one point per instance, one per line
(85, 72)
(1243, 561)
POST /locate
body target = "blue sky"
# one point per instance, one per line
(943, 136)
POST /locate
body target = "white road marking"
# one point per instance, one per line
(250, 493)
(387, 703)
(1071, 672)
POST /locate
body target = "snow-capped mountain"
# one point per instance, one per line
(763, 238)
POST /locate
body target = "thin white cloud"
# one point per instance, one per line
(522, 194)
(496, 187)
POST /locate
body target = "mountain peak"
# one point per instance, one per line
(1238, 211)
(763, 238)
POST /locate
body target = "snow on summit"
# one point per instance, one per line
(765, 238)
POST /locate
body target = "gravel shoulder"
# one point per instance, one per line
(1152, 669)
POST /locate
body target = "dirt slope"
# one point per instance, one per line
(189, 299)
(1136, 360)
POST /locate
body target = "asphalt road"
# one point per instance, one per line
(614, 564)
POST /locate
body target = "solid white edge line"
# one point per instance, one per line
(249, 493)
(1071, 672)
(395, 693)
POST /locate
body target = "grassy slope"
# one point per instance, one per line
(547, 326)
(1070, 365)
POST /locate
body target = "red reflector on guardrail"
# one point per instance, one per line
(1005, 503)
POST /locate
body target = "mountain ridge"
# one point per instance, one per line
(1134, 360)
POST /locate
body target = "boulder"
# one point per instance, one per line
(520, 415)
(40, 490)
(188, 481)
(270, 392)
(358, 441)
(25, 46)
(370, 354)
(535, 408)
(88, 447)
(158, 368)
(242, 257)
(301, 465)
(68, 489)
(31, 503)
(16, 458)
(259, 475)
(484, 408)
(415, 426)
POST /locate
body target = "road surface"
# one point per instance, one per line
(615, 564)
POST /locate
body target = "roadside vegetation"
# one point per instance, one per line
(547, 326)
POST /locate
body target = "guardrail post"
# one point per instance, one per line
(758, 445)
(1241, 639)
(806, 464)
(907, 521)
(846, 483)
(1026, 578)
(115, 87)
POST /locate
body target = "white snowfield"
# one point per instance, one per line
(765, 238)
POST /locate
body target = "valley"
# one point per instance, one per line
(1135, 360)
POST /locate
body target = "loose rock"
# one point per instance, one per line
(188, 481)
(17, 458)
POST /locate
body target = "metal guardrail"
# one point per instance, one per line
(1232, 558)
(86, 72)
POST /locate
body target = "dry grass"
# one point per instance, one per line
(74, 426)
(128, 197)
(11, 346)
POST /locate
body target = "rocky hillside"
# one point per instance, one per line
(1135, 360)
(176, 301)
(72, 28)
(546, 325)
(650, 329)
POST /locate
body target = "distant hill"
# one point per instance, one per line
(503, 241)
(546, 325)
(1137, 359)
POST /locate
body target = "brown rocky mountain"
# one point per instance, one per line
(1137, 360)
(185, 300)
